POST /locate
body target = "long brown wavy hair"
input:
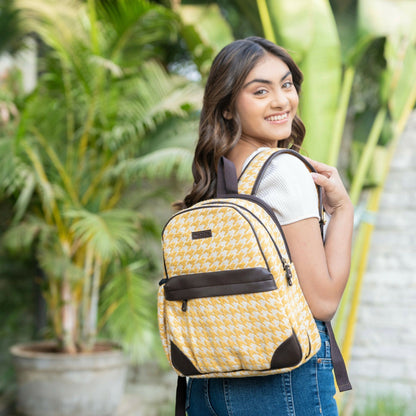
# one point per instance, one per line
(218, 135)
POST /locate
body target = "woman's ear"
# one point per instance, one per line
(227, 114)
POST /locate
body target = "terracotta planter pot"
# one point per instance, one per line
(55, 384)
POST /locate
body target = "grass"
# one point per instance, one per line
(385, 406)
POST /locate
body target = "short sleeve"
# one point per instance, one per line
(288, 188)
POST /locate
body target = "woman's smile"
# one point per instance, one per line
(278, 118)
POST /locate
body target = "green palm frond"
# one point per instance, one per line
(179, 132)
(7, 167)
(87, 137)
(11, 30)
(108, 233)
(128, 312)
(57, 23)
(120, 33)
(21, 238)
(59, 266)
(25, 196)
(65, 27)
(16, 178)
(135, 25)
(44, 185)
(147, 101)
(160, 164)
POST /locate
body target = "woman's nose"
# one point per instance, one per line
(279, 100)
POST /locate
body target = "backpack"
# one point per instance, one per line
(230, 303)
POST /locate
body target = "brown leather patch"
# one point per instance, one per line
(196, 235)
(181, 362)
(288, 354)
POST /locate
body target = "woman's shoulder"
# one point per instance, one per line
(289, 168)
(288, 159)
(288, 187)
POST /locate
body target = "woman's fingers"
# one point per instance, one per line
(335, 194)
(321, 179)
(321, 168)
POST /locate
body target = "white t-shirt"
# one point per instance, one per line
(288, 188)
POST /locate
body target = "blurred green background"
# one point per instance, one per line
(99, 107)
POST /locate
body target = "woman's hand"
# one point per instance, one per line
(323, 269)
(335, 196)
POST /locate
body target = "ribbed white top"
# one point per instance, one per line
(288, 188)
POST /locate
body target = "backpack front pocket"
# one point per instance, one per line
(225, 321)
(220, 283)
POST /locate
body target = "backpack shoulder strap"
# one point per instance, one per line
(253, 173)
(248, 183)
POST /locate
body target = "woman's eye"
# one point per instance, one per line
(288, 84)
(261, 92)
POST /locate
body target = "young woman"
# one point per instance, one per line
(250, 103)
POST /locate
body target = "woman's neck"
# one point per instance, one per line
(255, 144)
(242, 150)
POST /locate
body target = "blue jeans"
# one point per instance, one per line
(306, 391)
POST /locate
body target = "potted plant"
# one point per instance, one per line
(78, 149)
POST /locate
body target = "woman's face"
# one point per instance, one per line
(267, 103)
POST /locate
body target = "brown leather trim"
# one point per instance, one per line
(288, 354)
(340, 370)
(181, 362)
(221, 283)
(309, 348)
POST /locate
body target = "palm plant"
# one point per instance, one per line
(11, 32)
(81, 148)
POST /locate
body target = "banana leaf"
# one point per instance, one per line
(393, 19)
(205, 32)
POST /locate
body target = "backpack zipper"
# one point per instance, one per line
(285, 265)
(256, 200)
(213, 203)
(289, 275)
(267, 208)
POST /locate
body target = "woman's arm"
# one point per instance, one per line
(323, 269)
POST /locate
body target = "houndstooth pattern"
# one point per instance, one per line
(230, 248)
(233, 336)
(249, 176)
(298, 308)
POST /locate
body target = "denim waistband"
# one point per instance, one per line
(320, 324)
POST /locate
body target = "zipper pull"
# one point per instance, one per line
(184, 305)
(289, 276)
(163, 281)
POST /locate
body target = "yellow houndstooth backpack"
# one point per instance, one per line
(230, 304)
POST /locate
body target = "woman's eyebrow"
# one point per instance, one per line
(260, 81)
(285, 75)
(266, 81)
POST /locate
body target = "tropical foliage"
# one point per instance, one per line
(11, 32)
(80, 153)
